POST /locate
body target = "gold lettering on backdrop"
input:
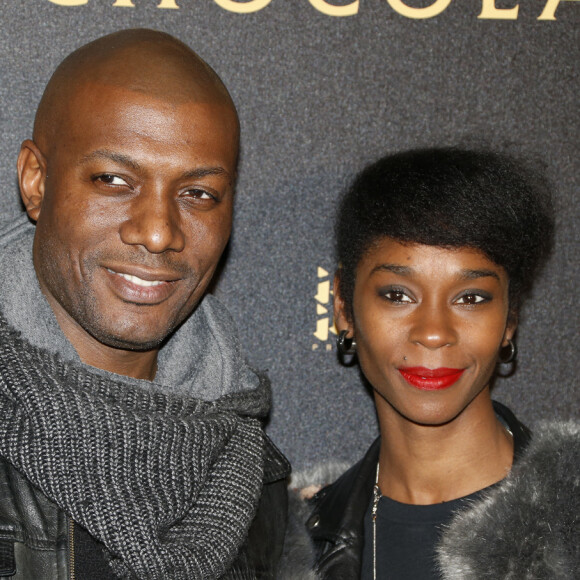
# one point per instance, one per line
(69, 2)
(428, 12)
(324, 323)
(242, 7)
(129, 4)
(332, 10)
(549, 12)
(489, 11)
(323, 291)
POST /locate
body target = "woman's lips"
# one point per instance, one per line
(430, 379)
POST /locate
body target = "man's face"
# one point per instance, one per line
(135, 213)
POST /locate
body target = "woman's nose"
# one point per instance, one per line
(433, 327)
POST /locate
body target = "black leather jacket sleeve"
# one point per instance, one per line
(33, 531)
(266, 535)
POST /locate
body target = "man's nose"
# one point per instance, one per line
(433, 326)
(154, 223)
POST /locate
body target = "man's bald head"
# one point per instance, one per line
(144, 61)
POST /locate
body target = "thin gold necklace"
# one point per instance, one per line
(376, 498)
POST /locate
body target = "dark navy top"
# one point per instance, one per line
(406, 537)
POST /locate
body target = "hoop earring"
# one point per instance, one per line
(344, 345)
(511, 355)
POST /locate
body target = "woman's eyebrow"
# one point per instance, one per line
(395, 268)
(475, 274)
(466, 274)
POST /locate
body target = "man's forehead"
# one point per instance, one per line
(105, 96)
(151, 72)
(133, 128)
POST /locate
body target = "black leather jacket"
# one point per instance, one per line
(37, 538)
(336, 524)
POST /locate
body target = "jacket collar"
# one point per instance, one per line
(341, 507)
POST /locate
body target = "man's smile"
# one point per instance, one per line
(137, 280)
(141, 286)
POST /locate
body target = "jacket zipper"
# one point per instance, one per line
(71, 549)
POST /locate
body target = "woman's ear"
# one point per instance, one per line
(342, 319)
(32, 173)
(510, 329)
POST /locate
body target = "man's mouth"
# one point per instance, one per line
(148, 288)
(139, 281)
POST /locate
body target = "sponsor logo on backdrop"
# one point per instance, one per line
(325, 329)
(489, 10)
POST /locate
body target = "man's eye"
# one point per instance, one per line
(111, 179)
(199, 194)
(472, 299)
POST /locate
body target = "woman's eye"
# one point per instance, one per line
(472, 299)
(111, 179)
(397, 296)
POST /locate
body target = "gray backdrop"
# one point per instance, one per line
(320, 95)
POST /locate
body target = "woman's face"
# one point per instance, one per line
(428, 323)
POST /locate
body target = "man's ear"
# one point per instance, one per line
(342, 319)
(32, 173)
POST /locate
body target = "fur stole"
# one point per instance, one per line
(527, 527)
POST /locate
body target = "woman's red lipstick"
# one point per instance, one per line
(430, 379)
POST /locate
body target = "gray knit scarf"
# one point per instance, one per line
(168, 482)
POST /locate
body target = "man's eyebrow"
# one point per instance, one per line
(123, 159)
(119, 158)
(475, 274)
(203, 171)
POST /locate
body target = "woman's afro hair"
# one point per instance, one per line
(451, 198)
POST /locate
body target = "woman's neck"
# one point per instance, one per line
(423, 464)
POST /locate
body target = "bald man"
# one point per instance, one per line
(131, 443)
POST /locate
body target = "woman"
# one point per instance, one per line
(437, 248)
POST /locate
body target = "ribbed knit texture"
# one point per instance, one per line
(169, 484)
